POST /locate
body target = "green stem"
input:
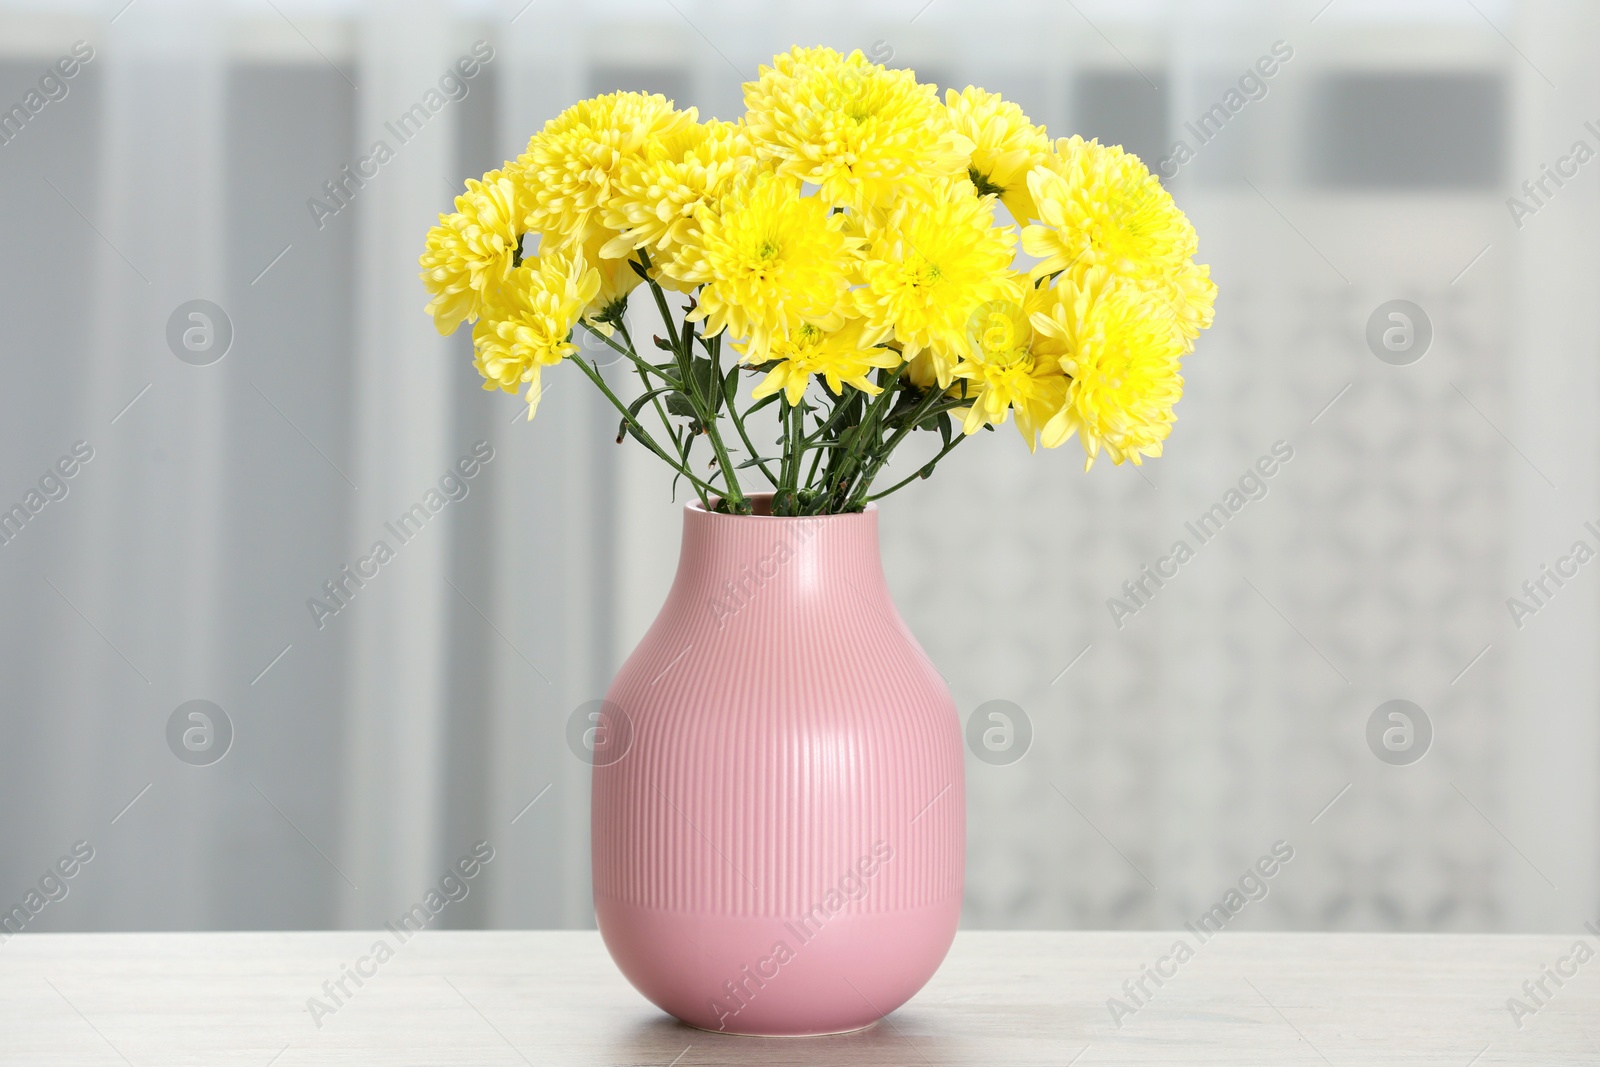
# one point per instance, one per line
(644, 435)
(922, 472)
(920, 413)
(638, 361)
(738, 424)
(795, 448)
(786, 460)
(683, 349)
(661, 302)
(816, 461)
(707, 409)
(655, 402)
(840, 409)
(839, 481)
(642, 367)
(846, 406)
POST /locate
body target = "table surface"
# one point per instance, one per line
(553, 997)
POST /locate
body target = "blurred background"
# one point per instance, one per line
(245, 390)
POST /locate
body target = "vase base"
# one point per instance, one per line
(756, 976)
(780, 1037)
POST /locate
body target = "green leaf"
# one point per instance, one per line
(678, 404)
(706, 382)
(625, 429)
(730, 387)
(770, 398)
(905, 401)
(944, 429)
(638, 405)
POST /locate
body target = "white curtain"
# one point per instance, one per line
(375, 745)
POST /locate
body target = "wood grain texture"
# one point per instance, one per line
(514, 997)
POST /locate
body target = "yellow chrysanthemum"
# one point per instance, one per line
(655, 197)
(840, 357)
(571, 167)
(920, 371)
(931, 262)
(1098, 206)
(851, 127)
(469, 255)
(617, 280)
(1121, 347)
(770, 260)
(1012, 369)
(1008, 146)
(529, 325)
(1192, 295)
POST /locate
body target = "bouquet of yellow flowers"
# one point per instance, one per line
(850, 228)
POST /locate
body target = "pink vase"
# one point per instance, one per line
(779, 807)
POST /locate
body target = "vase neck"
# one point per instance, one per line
(733, 564)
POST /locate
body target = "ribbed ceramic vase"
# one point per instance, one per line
(779, 815)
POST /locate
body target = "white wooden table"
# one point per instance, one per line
(485, 998)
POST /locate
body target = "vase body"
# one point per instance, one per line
(779, 805)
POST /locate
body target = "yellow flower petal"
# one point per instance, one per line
(572, 166)
(1101, 207)
(529, 325)
(931, 263)
(468, 256)
(852, 127)
(1120, 345)
(841, 357)
(1007, 146)
(772, 260)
